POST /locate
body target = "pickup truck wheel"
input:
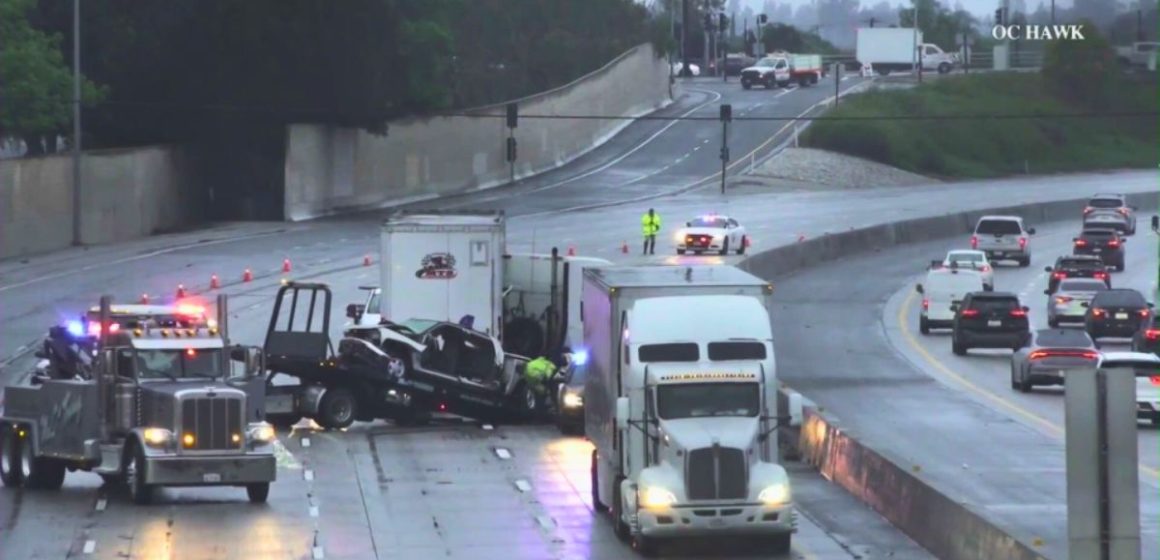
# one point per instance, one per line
(337, 409)
(745, 84)
(10, 471)
(595, 470)
(139, 491)
(944, 68)
(257, 493)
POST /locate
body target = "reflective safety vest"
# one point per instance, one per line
(539, 370)
(650, 225)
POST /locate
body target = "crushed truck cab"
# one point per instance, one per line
(159, 407)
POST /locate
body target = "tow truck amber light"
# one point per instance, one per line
(188, 440)
(156, 436)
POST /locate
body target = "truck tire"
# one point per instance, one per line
(725, 247)
(595, 470)
(944, 68)
(745, 84)
(780, 545)
(139, 491)
(338, 409)
(10, 471)
(523, 336)
(644, 546)
(619, 527)
(258, 492)
(45, 473)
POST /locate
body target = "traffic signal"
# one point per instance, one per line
(722, 22)
(512, 115)
(511, 149)
(726, 112)
(762, 18)
(999, 16)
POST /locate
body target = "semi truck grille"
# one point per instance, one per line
(213, 423)
(717, 473)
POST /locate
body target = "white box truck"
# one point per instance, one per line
(679, 404)
(888, 49)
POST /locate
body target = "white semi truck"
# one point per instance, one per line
(888, 49)
(679, 403)
(444, 266)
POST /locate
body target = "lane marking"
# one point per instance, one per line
(488, 427)
(317, 553)
(102, 504)
(305, 442)
(546, 522)
(90, 547)
(308, 475)
(503, 453)
(313, 511)
(522, 485)
(904, 326)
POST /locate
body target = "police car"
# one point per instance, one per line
(711, 232)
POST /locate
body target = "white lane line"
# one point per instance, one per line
(705, 141)
(313, 511)
(90, 547)
(308, 474)
(546, 522)
(523, 485)
(317, 553)
(305, 442)
(503, 453)
(695, 148)
(488, 427)
(102, 504)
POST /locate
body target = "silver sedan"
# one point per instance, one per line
(1070, 301)
(1049, 357)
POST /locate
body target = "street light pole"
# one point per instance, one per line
(76, 155)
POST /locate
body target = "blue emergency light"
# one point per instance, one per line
(580, 358)
(76, 328)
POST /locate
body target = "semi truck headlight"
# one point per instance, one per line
(572, 400)
(774, 495)
(262, 432)
(657, 497)
(679, 237)
(156, 436)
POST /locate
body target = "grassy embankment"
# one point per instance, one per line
(977, 148)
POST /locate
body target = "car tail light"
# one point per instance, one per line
(1100, 275)
(970, 313)
(974, 242)
(1098, 312)
(1144, 313)
(1122, 211)
(1018, 313)
(1088, 210)
(1152, 334)
(925, 303)
(1085, 354)
(1022, 242)
(1063, 299)
(1080, 243)
(1155, 379)
(985, 268)
(1059, 275)
(1113, 243)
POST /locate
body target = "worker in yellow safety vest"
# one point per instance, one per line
(650, 224)
(537, 374)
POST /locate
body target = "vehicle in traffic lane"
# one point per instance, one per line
(570, 396)
(1069, 302)
(973, 260)
(990, 320)
(1049, 356)
(1147, 370)
(1003, 238)
(1147, 339)
(1118, 313)
(1110, 210)
(711, 232)
(1076, 266)
(764, 73)
(1104, 243)
(943, 291)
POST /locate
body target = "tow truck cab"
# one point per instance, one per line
(163, 407)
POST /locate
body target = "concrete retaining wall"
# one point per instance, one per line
(948, 529)
(126, 194)
(331, 170)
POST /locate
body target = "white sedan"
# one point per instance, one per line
(711, 233)
(974, 260)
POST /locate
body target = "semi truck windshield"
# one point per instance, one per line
(177, 364)
(696, 400)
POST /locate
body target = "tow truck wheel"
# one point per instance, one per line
(596, 503)
(10, 467)
(337, 409)
(258, 492)
(139, 491)
(780, 544)
(40, 473)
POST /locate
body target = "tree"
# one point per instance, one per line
(1083, 72)
(37, 85)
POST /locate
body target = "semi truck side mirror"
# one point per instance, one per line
(355, 310)
(623, 412)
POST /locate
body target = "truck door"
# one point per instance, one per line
(247, 372)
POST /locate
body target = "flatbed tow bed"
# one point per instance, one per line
(379, 372)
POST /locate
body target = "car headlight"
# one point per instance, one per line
(679, 237)
(656, 497)
(262, 432)
(572, 400)
(156, 437)
(774, 495)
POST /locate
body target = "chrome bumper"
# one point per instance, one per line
(716, 520)
(210, 471)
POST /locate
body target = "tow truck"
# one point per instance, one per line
(396, 371)
(156, 406)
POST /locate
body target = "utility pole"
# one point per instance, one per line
(684, 37)
(726, 118)
(1052, 12)
(917, 44)
(76, 155)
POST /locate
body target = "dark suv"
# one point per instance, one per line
(1117, 313)
(1147, 339)
(990, 320)
(1103, 243)
(1077, 266)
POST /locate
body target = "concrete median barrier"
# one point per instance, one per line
(897, 490)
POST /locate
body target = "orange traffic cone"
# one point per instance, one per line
(624, 247)
(247, 275)
(180, 290)
(214, 283)
(367, 260)
(571, 251)
(285, 265)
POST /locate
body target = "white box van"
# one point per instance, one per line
(942, 292)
